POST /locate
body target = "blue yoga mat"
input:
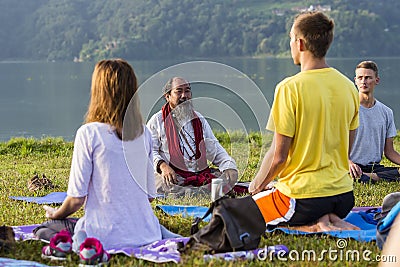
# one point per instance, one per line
(52, 198)
(20, 263)
(185, 211)
(366, 234)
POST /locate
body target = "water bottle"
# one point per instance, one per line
(216, 188)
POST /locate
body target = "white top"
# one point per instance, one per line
(117, 209)
(376, 124)
(215, 152)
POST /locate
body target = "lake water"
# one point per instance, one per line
(50, 98)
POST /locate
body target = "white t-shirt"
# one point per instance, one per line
(117, 209)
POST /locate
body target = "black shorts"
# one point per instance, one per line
(309, 210)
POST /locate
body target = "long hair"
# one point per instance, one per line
(114, 88)
(317, 31)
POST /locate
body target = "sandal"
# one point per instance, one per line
(36, 183)
(47, 184)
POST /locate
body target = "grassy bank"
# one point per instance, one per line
(22, 158)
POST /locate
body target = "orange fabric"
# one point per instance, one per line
(274, 206)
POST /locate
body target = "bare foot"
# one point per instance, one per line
(310, 228)
(328, 222)
(342, 224)
(323, 224)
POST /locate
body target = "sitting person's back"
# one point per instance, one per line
(313, 117)
(111, 171)
(117, 184)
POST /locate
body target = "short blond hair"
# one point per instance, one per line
(368, 64)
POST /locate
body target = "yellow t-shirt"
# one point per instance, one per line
(317, 108)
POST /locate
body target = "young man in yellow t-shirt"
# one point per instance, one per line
(313, 117)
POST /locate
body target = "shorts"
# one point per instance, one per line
(279, 209)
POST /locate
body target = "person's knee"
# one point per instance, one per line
(45, 233)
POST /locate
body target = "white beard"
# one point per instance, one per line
(183, 113)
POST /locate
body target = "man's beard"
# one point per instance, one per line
(184, 112)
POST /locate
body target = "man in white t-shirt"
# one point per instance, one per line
(374, 136)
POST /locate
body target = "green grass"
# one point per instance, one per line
(21, 158)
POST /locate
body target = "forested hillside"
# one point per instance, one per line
(154, 29)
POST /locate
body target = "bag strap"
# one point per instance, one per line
(195, 225)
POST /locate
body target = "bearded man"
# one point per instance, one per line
(183, 142)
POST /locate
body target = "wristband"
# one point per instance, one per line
(158, 165)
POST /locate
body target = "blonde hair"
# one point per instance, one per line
(114, 87)
(368, 64)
